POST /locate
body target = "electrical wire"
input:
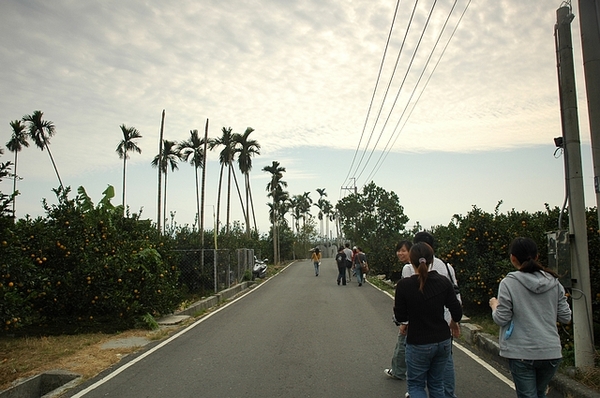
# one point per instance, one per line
(396, 131)
(374, 89)
(408, 69)
(410, 21)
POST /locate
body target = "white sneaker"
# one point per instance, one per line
(406, 395)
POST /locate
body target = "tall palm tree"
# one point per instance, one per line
(296, 204)
(41, 131)
(246, 149)
(192, 151)
(320, 204)
(18, 140)
(225, 159)
(276, 183)
(167, 158)
(305, 207)
(125, 146)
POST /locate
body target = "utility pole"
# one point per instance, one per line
(351, 188)
(201, 216)
(589, 11)
(580, 272)
(160, 142)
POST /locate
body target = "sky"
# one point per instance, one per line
(456, 107)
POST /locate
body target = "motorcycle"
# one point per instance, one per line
(259, 270)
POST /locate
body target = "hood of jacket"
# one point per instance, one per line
(536, 282)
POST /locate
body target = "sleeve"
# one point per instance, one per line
(400, 308)
(504, 312)
(406, 271)
(564, 311)
(452, 303)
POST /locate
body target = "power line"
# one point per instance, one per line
(375, 88)
(388, 147)
(410, 64)
(396, 131)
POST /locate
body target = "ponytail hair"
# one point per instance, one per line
(526, 252)
(421, 256)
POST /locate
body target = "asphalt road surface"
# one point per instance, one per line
(296, 335)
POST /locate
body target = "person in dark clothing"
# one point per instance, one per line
(419, 307)
(341, 260)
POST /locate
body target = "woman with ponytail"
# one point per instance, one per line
(419, 306)
(530, 302)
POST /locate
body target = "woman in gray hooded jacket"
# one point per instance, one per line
(530, 302)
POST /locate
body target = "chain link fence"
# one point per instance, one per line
(207, 271)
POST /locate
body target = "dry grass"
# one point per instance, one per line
(22, 357)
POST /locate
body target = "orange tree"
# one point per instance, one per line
(84, 267)
(477, 247)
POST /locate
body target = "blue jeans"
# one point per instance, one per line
(425, 364)
(449, 378)
(532, 377)
(316, 263)
(358, 272)
(341, 274)
(399, 358)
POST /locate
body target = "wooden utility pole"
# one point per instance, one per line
(160, 160)
(580, 272)
(590, 45)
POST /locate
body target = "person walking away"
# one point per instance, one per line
(448, 271)
(349, 253)
(530, 302)
(398, 369)
(358, 259)
(316, 258)
(419, 305)
(340, 259)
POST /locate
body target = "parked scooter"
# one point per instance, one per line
(260, 268)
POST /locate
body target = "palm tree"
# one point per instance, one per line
(225, 159)
(276, 183)
(18, 140)
(167, 158)
(246, 149)
(320, 204)
(305, 207)
(41, 131)
(125, 146)
(192, 151)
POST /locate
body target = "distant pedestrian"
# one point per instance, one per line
(340, 259)
(349, 254)
(419, 305)
(316, 258)
(398, 369)
(359, 260)
(530, 302)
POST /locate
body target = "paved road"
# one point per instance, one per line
(296, 335)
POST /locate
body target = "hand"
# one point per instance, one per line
(455, 329)
(493, 303)
(404, 329)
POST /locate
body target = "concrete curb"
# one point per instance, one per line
(213, 301)
(471, 335)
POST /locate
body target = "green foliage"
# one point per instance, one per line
(82, 264)
(477, 247)
(375, 221)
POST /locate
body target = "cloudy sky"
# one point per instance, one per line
(461, 111)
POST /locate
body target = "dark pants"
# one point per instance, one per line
(341, 274)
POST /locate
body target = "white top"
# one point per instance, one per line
(438, 265)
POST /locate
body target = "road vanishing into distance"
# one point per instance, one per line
(295, 335)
